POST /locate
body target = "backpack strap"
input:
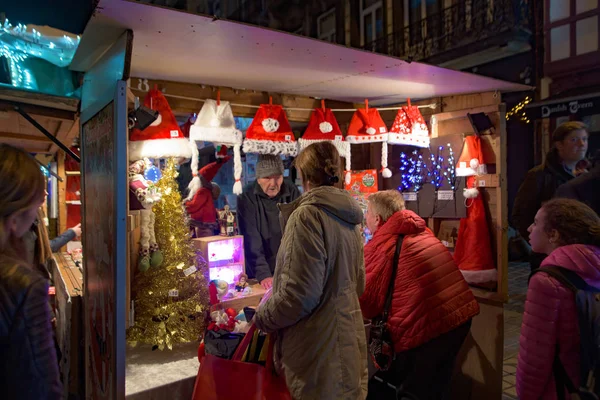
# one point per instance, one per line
(390, 292)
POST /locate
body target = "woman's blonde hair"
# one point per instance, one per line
(575, 222)
(386, 203)
(320, 164)
(22, 186)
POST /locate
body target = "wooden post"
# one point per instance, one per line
(62, 190)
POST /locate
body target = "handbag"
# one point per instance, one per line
(381, 347)
(222, 379)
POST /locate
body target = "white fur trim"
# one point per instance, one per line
(195, 183)
(342, 147)
(465, 171)
(470, 193)
(348, 178)
(228, 137)
(193, 188)
(159, 148)
(408, 140)
(269, 147)
(385, 171)
(487, 275)
(237, 170)
(358, 139)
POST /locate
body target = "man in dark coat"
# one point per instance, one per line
(585, 188)
(258, 217)
(570, 143)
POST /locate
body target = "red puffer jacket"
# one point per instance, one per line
(551, 317)
(430, 296)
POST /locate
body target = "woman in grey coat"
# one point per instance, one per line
(319, 277)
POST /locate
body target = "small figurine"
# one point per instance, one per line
(242, 283)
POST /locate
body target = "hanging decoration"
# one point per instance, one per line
(412, 169)
(152, 173)
(450, 169)
(518, 112)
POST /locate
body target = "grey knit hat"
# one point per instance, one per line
(268, 165)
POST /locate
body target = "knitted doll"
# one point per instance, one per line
(142, 196)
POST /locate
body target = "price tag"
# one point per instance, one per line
(410, 196)
(173, 293)
(462, 165)
(288, 138)
(174, 133)
(339, 137)
(382, 129)
(190, 270)
(447, 195)
(481, 183)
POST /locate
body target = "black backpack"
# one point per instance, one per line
(587, 300)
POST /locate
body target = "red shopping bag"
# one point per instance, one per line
(222, 379)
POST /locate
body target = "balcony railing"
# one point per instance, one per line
(461, 24)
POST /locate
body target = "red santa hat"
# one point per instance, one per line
(471, 160)
(162, 138)
(270, 132)
(473, 251)
(409, 128)
(323, 127)
(215, 123)
(367, 126)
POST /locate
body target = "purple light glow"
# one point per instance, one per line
(228, 274)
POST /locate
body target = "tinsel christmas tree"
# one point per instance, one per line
(170, 301)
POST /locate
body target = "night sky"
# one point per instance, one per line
(67, 15)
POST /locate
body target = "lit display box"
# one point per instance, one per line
(225, 256)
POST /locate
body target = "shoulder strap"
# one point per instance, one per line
(567, 277)
(390, 292)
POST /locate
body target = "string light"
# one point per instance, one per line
(415, 172)
(518, 112)
(449, 171)
(412, 168)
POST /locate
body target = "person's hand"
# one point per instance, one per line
(267, 283)
(77, 230)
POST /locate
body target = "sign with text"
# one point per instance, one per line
(556, 109)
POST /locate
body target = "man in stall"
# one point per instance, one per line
(258, 217)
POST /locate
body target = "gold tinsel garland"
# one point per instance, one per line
(161, 318)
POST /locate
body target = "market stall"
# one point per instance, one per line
(290, 74)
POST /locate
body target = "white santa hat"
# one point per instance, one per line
(215, 123)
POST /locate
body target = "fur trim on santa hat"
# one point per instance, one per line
(159, 148)
(342, 147)
(228, 137)
(408, 140)
(237, 170)
(383, 137)
(385, 171)
(195, 184)
(270, 147)
(478, 277)
(470, 193)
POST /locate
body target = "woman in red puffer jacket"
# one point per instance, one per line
(432, 305)
(569, 232)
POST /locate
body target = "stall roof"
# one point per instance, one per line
(179, 46)
(57, 114)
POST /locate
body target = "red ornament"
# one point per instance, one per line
(231, 312)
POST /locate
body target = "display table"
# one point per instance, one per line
(161, 374)
(68, 282)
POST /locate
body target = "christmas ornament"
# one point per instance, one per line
(215, 123)
(152, 173)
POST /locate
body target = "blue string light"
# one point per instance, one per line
(152, 173)
(412, 168)
(415, 172)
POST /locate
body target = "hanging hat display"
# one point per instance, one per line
(162, 138)
(473, 251)
(270, 132)
(366, 126)
(215, 123)
(409, 128)
(471, 160)
(323, 127)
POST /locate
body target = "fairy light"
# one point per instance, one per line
(412, 168)
(518, 112)
(449, 171)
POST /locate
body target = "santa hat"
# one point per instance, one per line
(471, 160)
(215, 123)
(270, 132)
(323, 127)
(162, 138)
(366, 126)
(209, 171)
(409, 128)
(473, 252)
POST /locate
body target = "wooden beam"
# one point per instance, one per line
(39, 110)
(21, 136)
(185, 99)
(67, 137)
(62, 192)
(38, 99)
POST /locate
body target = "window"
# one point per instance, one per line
(326, 26)
(559, 9)
(371, 21)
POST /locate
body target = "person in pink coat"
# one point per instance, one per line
(569, 233)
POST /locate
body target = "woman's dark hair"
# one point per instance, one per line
(575, 222)
(320, 164)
